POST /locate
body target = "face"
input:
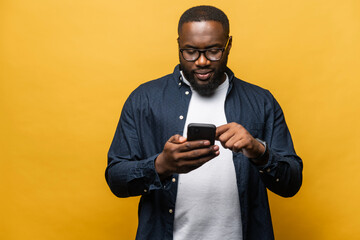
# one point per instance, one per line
(204, 75)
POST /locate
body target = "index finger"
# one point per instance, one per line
(220, 130)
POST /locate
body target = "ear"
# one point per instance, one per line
(230, 44)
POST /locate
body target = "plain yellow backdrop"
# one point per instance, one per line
(66, 68)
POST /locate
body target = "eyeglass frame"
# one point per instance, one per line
(200, 51)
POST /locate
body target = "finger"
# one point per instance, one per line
(191, 145)
(198, 153)
(220, 130)
(244, 146)
(232, 141)
(230, 128)
(224, 137)
(251, 148)
(177, 139)
(238, 146)
(235, 132)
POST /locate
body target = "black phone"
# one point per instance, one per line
(201, 131)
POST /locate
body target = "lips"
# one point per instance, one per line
(203, 75)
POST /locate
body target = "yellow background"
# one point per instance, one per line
(66, 68)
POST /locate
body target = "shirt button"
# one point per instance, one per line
(179, 83)
(277, 180)
(187, 92)
(261, 171)
(173, 180)
(181, 117)
(268, 170)
(171, 211)
(145, 191)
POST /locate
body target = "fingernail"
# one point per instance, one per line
(206, 142)
(182, 139)
(215, 147)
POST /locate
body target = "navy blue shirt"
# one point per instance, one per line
(156, 110)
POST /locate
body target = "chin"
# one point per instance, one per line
(203, 82)
(204, 88)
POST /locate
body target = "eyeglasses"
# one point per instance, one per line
(212, 54)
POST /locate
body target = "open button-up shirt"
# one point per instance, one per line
(156, 110)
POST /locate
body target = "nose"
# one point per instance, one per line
(202, 60)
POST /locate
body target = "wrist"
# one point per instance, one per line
(263, 158)
(161, 171)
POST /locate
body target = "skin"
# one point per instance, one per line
(180, 155)
(204, 75)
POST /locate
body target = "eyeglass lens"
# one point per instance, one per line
(194, 54)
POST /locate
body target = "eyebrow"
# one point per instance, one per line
(216, 45)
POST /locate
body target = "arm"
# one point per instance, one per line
(280, 168)
(130, 173)
(283, 172)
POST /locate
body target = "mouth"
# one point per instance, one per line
(203, 75)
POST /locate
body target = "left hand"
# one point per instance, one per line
(236, 138)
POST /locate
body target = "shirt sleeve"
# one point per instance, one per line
(283, 172)
(129, 173)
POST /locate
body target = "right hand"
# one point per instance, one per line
(181, 156)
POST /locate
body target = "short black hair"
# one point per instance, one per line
(205, 13)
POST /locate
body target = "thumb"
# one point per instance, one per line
(177, 139)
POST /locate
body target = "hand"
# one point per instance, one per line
(236, 138)
(181, 156)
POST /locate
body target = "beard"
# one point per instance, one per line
(213, 83)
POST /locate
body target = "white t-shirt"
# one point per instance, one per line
(207, 203)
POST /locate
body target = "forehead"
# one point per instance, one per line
(200, 33)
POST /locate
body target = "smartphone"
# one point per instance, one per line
(201, 131)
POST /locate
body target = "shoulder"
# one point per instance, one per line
(169, 81)
(243, 88)
(153, 87)
(251, 90)
(151, 92)
(157, 83)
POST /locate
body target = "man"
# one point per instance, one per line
(191, 190)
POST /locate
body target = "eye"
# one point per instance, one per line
(190, 51)
(214, 50)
